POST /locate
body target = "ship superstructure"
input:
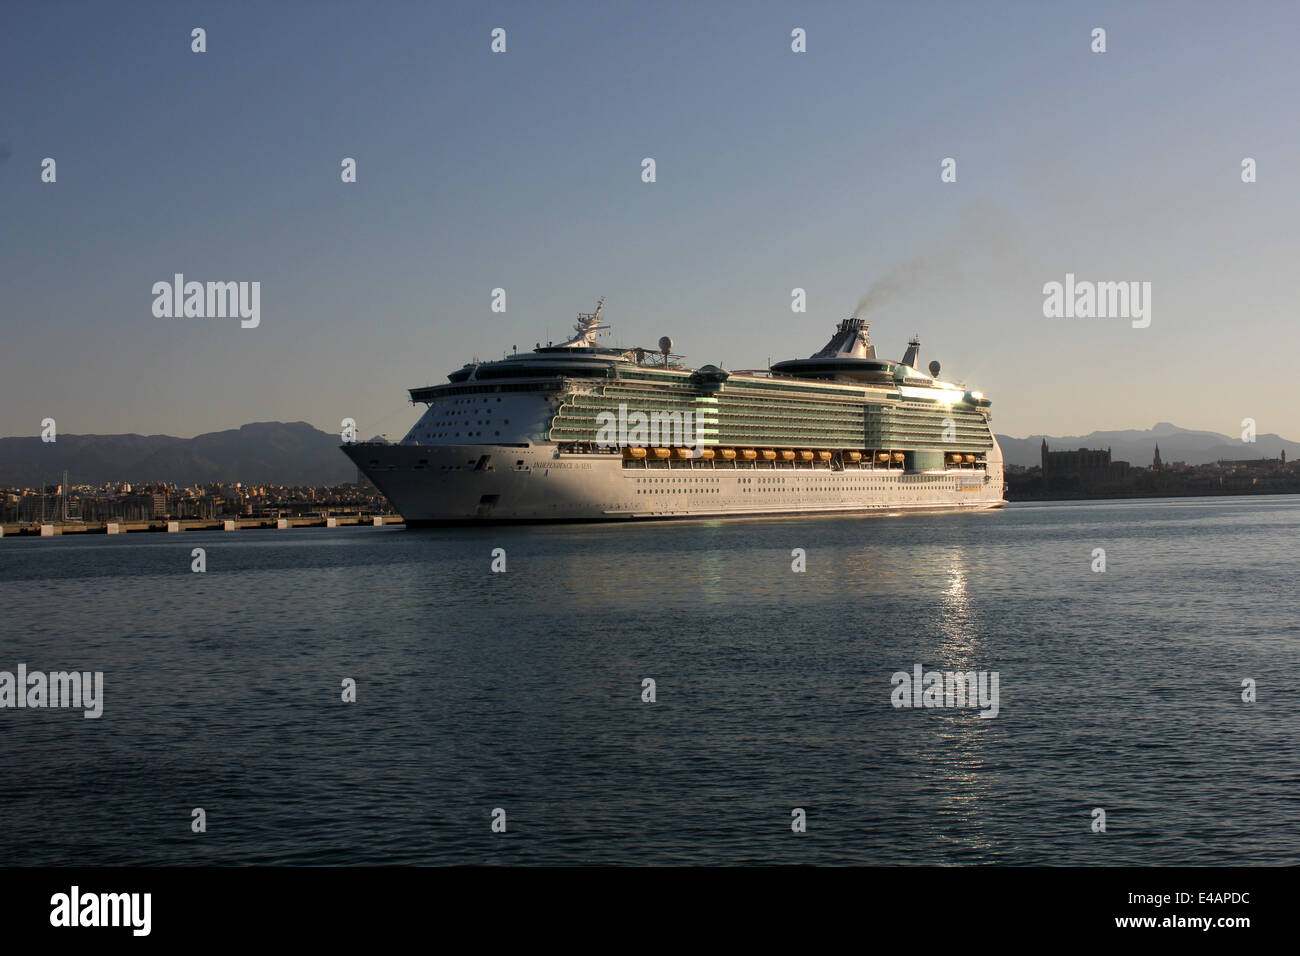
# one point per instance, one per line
(576, 431)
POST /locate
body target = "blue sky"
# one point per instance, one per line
(522, 170)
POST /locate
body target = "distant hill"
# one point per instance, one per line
(292, 453)
(295, 453)
(1138, 447)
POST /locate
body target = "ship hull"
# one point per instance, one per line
(453, 484)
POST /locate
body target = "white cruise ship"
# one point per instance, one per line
(577, 432)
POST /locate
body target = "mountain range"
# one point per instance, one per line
(296, 453)
(281, 453)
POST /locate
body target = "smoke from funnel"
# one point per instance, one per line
(892, 284)
(915, 275)
(982, 252)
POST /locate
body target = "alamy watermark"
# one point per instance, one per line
(946, 689)
(1083, 299)
(657, 429)
(76, 909)
(84, 689)
(212, 300)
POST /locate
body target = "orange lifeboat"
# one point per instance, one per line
(787, 455)
(748, 454)
(853, 456)
(707, 454)
(970, 459)
(805, 456)
(882, 457)
(683, 454)
(898, 457)
(633, 454)
(768, 455)
(727, 454)
(661, 453)
(823, 456)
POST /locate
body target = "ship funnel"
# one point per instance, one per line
(851, 340)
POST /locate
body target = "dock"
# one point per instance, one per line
(49, 529)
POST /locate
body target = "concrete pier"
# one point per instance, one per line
(173, 525)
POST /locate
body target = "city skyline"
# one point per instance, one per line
(522, 171)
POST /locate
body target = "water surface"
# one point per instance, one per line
(522, 690)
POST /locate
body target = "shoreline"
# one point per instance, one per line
(1137, 496)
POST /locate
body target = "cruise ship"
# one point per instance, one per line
(579, 432)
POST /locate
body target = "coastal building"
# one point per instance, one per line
(1254, 464)
(1082, 468)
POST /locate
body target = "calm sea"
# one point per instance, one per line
(522, 691)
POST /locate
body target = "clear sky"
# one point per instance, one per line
(522, 170)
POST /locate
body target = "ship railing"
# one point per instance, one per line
(837, 463)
